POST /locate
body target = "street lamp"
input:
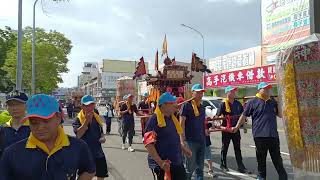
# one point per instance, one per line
(199, 34)
(33, 79)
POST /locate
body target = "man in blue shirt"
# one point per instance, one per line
(14, 130)
(48, 153)
(88, 127)
(144, 108)
(231, 109)
(264, 112)
(162, 141)
(192, 120)
(126, 111)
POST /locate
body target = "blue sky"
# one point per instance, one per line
(129, 29)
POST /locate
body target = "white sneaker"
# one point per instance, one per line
(212, 174)
(130, 149)
(123, 147)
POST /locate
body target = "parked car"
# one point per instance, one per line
(212, 104)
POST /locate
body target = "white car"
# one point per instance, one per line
(212, 104)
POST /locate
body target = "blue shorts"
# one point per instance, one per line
(207, 153)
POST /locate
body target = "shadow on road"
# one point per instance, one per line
(251, 164)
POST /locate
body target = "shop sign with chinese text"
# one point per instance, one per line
(241, 77)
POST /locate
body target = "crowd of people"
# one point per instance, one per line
(175, 132)
(169, 141)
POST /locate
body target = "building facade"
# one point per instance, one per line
(101, 83)
(90, 70)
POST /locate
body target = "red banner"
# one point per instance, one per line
(241, 77)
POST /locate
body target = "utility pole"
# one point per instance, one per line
(19, 51)
(33, 79)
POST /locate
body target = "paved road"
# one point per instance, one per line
(124, 165)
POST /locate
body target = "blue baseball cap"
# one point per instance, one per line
(145, 94)
(229, 88)
(125, 97)
(197, 87)
(264, 85)
(87, 99)
(167, 98)
(41, 106)
(17, 96)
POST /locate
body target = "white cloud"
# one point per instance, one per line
(141, 35)
(121, 13)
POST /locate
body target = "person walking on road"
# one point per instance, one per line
(70, 108)
(145, 108)
(162, 141)
(108, 117)
(127, 109)
(14, 130)
(117, 105)
(88, 127)
(231, 109)
(264, 111)
(208, 154)
(192, 120)
(48, 153)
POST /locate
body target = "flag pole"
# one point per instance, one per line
(136, 89)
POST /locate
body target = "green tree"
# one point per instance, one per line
(52, 49)
(7, 41)
(208, 92)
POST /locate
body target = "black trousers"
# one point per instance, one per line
(236, 138)
(108, 123)
(177, 173)
(101, 167)
(70, 114)
(263, 145)
(119, 126)
(127, 129)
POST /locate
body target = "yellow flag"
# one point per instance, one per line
(164, 46)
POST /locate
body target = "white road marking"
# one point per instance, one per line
(284, 153)
(234, 173)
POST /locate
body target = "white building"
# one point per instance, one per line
(111, 70)
(101, 81)
(90, 70)
(108, 79)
